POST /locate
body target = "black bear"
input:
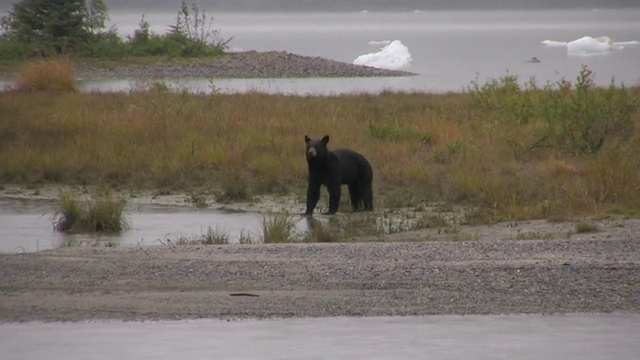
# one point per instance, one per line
(334, 168)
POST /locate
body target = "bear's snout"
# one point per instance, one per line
(311, 152)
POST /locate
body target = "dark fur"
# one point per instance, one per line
(333, 169)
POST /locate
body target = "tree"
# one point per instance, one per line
(49, 26)
(97, 15)
(193, 25)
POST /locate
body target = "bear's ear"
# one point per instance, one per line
(306, 139)
(325, 140)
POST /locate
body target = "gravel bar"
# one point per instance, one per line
(249, 64)
(596, 274)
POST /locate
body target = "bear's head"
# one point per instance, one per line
(317, 149)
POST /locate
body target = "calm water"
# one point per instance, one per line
(605, 337)
(27, 226)
(449, 49)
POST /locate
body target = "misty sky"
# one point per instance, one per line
(351, 5)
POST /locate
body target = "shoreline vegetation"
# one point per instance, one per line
(503, 151)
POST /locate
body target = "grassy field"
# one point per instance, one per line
(510, 152)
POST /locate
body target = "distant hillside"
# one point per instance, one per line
(370, 5)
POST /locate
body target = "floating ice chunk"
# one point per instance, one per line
(379, 42)
(622, 44)
(393, 56)
(589, 45)
(553, 43)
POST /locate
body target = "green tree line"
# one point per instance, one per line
(45, 28)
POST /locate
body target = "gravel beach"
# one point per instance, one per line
(584, 273)
(249, 64)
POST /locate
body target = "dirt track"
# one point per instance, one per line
(591, 273)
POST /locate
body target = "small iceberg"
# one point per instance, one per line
(553, 43)
(588, 45)
(393, 56)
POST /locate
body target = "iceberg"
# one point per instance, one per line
(552, 43)
(588, 45)
(622, 44)
(393, 56)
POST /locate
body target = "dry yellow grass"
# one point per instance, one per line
(53, 75)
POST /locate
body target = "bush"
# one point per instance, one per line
(580, 121)
(13, 50)
(56, 75)
(106, 45)
(191, 36)
(574, 120)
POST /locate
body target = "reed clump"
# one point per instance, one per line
(512, 152)
(278, 228)
(50, 75)
(101, 213)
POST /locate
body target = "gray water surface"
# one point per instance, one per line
(27, 226)
(605, 336)
(450, 49)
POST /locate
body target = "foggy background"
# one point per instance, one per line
(354, 5)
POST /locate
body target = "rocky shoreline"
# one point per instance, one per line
(249, 64)
(597, 273)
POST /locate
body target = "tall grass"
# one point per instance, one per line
(512, 152)
(52, 75)
(102, 213)
(278, 228)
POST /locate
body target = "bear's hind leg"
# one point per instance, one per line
(356, 197)
(366, 192)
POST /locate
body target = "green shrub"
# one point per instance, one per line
(574, 119)
(581, 120)
(106, 45)
(13, 50)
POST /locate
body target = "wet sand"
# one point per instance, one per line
(584, 273)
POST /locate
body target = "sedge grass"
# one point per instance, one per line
(278, 228)
(510, 153)
(101, 213)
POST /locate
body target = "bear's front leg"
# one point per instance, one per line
(334, 198)
(313, 194)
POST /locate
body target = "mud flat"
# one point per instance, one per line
(584, 273)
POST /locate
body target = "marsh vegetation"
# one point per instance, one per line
(100, 213)
(500, 150)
